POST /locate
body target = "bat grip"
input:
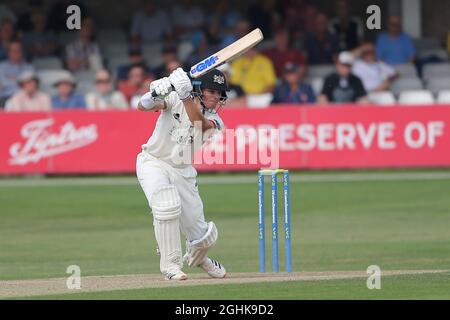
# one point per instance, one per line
(154, 95)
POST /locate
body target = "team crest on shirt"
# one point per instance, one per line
(218, 79)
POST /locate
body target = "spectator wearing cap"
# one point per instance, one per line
(84, 53)
(67, 98)
(104, 96)
(7, 35)
(395, 46)
(283, 53)
(254, 72)
(10, 70)
(135, 57)
(322, 46)
(28, 98)
(292, 89)
(374, 74)
(342, 86)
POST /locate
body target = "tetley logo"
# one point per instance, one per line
(208, 62)
(39, 141)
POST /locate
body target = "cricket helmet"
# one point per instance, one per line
(214, 80)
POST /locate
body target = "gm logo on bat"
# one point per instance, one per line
(208, 62)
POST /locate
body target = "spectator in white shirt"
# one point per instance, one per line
(28, 98)
(150, 24)
(104, 96)
(374, 74)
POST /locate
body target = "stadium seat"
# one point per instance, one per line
(436, 70)
(406, 70)
(383, 98)
(443, 97)
(426, 43)
(259, 100)
(84, 75)
(48, 63)
(320, 71)
(316, 84)
(404, 84)
(438, 53)
(413, 97)
(112, 35)
(436, 85)
(67, 37)
(48, 77)
(114, 49)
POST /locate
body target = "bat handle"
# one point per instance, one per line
(154, 95)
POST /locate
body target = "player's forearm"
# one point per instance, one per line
(149, 103)
(195, 115)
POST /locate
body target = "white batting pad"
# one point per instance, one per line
(197, 250)
(166, 209)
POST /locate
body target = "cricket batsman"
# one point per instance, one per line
(188, 112)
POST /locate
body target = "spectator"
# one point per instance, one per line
(223, 21)
(67, 98)
(24, 22)
(28, 98)
(235, 95)
(150, 24)
(348, 29)
(203, 49)
(395, 46)
(264, 15)
(321, 46)
(145, 87)
(374, 74)
(7, 35)
(343, 86)
(283, 53)
(39, 42)
(241, 29)
(136, 77)
(169, 56)
(254, 72)
(84, 53)
(292, 89)
(105, 97)
(7, 14)
(135, 58)
(187, 18)
(10, 70)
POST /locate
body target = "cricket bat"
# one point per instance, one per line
(227, 54)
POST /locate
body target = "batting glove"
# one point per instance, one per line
(181, 82)
(162, 87)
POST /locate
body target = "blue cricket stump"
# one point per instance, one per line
(287, 218)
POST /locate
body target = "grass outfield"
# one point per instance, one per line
(105, 228)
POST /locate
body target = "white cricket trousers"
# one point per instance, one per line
(153, 174)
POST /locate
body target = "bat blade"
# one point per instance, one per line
(227, 54)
